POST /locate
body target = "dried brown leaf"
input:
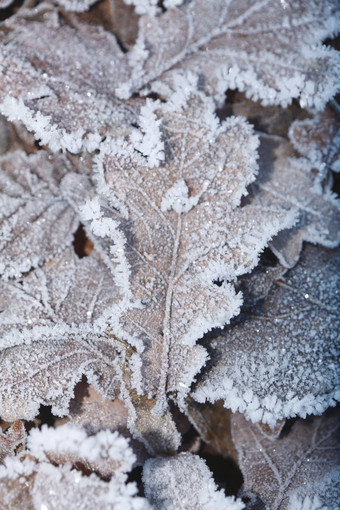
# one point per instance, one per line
(184, 230)
(301, 467)
(280, 358)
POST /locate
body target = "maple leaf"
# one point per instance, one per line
(65, 97)
(183, 231)
(184, 482)
(271, 50)
(291, 183)
(281, 358)
(296, 469)
(38, 479)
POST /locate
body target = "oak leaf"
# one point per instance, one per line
(271, 50)
(184, 230)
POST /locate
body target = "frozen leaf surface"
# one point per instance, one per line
(55, 327)
(282, 358)
(290, 182)
(36, 220)
(65, 97)
(271, 50)
(95, 412)
(183, 230)
(34, 481)
(184, 482)
(299, 468)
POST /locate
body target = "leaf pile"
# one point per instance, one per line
(164, 167)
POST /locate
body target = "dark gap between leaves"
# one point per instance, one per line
(268, 258)
(252, 501)
(136, 476)
(11, 9)
(82, 245)
(226, 473)
(336, 184)
(287, 427)
(218, 282)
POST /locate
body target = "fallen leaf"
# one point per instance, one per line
(280, 359)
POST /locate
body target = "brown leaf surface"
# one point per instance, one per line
(299, 466)
(14, 436)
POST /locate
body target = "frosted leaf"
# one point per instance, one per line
(40, 484)
(281, 359)
(55, 326)
(183, 230)
(271, 50)
(290, 183)
(94, 412)
(184, 482)
(36, 220)
(65, 97)
(301, 466)
(318, 139)
(14, 436)
(107, 453)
